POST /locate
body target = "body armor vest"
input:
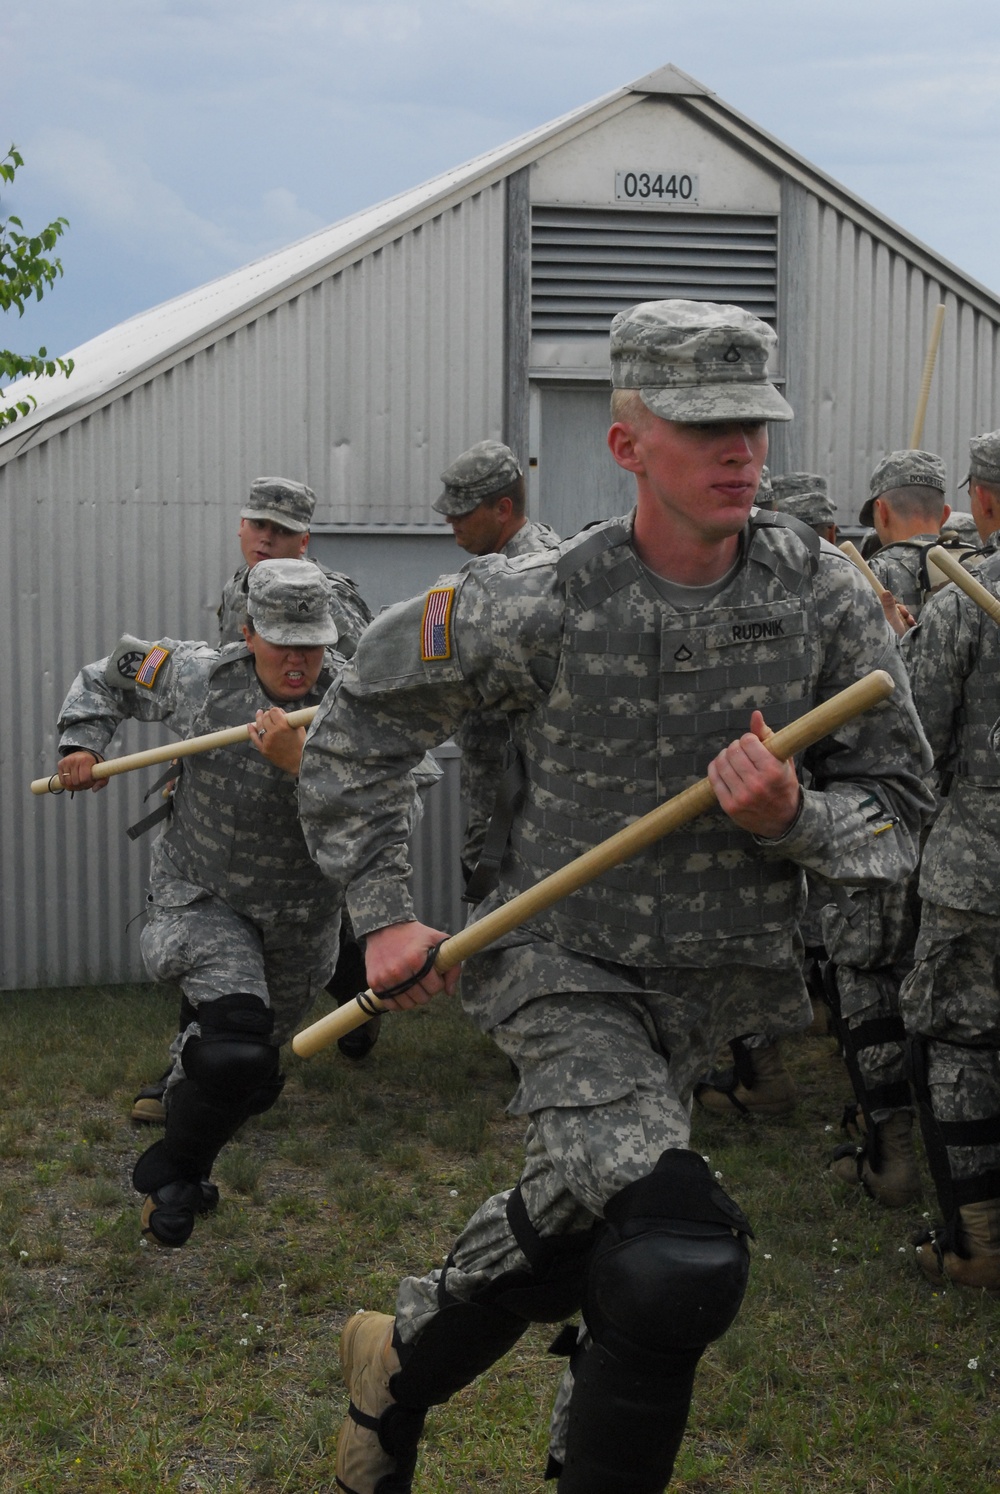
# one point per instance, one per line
(235, 828)
(975, 760)
(645, 695)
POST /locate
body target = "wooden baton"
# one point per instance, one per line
(671, 815)
(166, 754)
(853, 553)
(966, 582)
(917, 432)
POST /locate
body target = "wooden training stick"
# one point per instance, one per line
(925, 384)
(853, 553)
(170, 750)
(966, 582)
(667, 817)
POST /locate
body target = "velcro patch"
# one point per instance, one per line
(151, 666)
(435, 631)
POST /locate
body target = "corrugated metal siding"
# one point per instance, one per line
(364, 386)
(856, 318)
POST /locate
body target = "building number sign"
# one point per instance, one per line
(656, 186)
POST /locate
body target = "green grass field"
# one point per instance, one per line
(128, 1368)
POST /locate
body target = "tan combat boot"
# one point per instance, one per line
(897, 1182)
(980, 1227)
(772, 1093)
(369, 1361)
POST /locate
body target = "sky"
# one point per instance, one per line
(184, 138)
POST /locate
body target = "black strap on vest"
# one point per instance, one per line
(164, 810)
(510, 796)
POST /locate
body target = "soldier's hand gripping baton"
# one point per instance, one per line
(667, 817)
(965, 581)
(166, 754)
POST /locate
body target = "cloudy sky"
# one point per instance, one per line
(183, 138)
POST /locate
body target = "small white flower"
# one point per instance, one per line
(24, 1255)
(452, 1192)
(973, 1364)
(244, 1342)
(834, 1248)
(718, 1177)
(244, 1316)
(282, 1285)
(925, 1216)
(260, 1328)
(827, 1128)
(766, 1256)
(705, 1159)
(901, 1250)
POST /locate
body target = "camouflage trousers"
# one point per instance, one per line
(872, 946)
(606, 1079)
(210, 950)
(951, 999)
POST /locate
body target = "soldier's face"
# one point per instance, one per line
(481, 531)
(285, 673)
(705, 477)
(262, 540)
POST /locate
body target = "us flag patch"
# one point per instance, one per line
(435, 633)
(151, 666)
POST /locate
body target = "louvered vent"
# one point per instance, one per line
(588, 264)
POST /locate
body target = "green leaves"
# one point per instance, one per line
(25, 271)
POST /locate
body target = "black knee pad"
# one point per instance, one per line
(233, 1058)
(670, 1267)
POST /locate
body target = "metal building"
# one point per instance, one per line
(362, 360)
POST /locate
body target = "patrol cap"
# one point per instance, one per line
(904, 469)
(984, 457)
(282, 501)
(805, 496)
(288, 602)
(488, 467)
(696, 361)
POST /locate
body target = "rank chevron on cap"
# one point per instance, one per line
(151, 666)
(435, 634)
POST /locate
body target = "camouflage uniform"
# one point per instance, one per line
(611, 1002)
(951, 1001)
(902, 565)
(226, 903)
(483, 735)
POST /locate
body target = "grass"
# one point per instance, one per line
(126, 1368)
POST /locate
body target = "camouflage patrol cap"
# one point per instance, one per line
(903, 469)
(962, 525)
(984, 457)
(282, 501)
(804, 495)
(696, 362)
(488, 467)
(288, 602)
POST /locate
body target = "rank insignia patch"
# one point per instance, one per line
(435, 633)
(151, 666)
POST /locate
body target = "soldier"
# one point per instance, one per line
(484, 502)
(906, 507)
(239, 915)
(275, 526)
(950, 1001)
(629, 657)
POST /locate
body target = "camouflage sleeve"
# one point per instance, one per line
(861, 817)
(145, 681)
(351, 613)
(489, 635)
(939, 654)
(232, 613)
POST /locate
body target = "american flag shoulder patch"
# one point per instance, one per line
(151, 666)
(435, 632)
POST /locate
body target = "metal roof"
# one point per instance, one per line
(129, 354)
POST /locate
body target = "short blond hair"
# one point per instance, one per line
(627, 407)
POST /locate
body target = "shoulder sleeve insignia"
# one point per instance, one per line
(151, 666)
(435, 632)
